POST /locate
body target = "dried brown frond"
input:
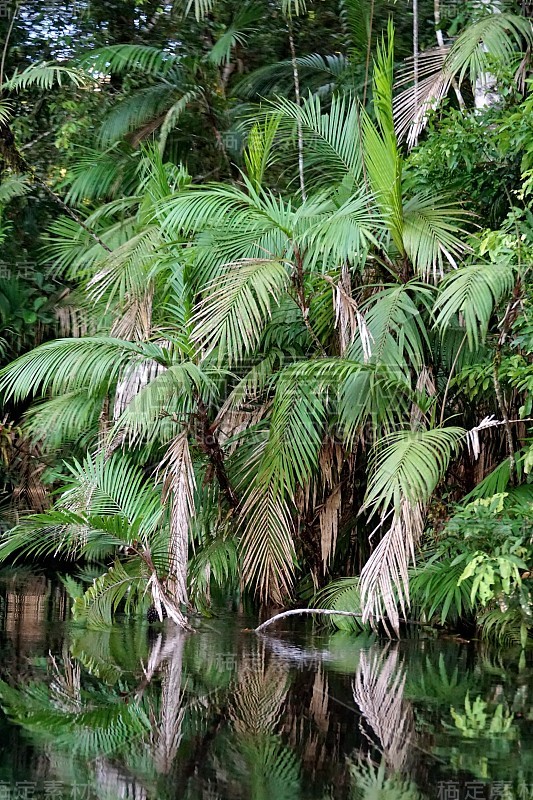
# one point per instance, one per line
(135, 379)
(30, 494)
(178, 489)
(329, 525)
(384, 580)
(135, 322)
(348, 318)
(72, 320)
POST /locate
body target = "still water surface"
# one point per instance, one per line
(140, 713)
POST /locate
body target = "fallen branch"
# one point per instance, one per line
(327, 611)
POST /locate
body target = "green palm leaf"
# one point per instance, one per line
(266, 546)
(409, 465)
(113, 486)
(474, 291)
(233, 314)
(295, 437)
(119, 585)
(126, 58)
(332, 151)
(380, 151)
(70, 417)
(71, 364)
(432, 234)
(45, 76)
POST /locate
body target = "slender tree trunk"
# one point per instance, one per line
(415, 52)
(368, 49)
(296, 80)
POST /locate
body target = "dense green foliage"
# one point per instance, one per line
(280, 300)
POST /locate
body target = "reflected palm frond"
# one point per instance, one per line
(378, 690)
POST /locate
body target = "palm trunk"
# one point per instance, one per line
(296, 79)
(415, 52)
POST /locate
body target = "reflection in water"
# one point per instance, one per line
(136, 713)
(30, 605)
(378, 690)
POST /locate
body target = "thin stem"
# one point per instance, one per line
(415, 52)
(208, 444)
(6, 45)
(503, 410)
(301, 299)
(296, 79)
(368, 50)
(440, 42)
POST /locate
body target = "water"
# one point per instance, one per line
(142, 713)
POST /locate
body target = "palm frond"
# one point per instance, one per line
(395, 327)
(259, 154)
(6, 111)
(342, 233)
(332, 150)
(356, 18)
(148, 106)
(70, 417)
(237, 305)
(474, 291)
(436, 590)
(178, 488)
(173, 115)
(408, 465)
(494, 37)
(320, 75)
(295, 437)
(293, 8)
(201, 8)
(112, 486)
(126, 58)
(13, 186)
(505, 628)
(380, 150)
(97, 175)
(404, 473)
(244, 22)
(72, 364)
(341, 594)
(266, 546)
(384, 580)
(152, 410)
(119, 585)
(45, 75)
(433, 234)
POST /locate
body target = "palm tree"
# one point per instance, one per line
(243, 341)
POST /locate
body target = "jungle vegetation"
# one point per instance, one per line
(266, 307)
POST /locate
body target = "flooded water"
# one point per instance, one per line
(299, 712)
